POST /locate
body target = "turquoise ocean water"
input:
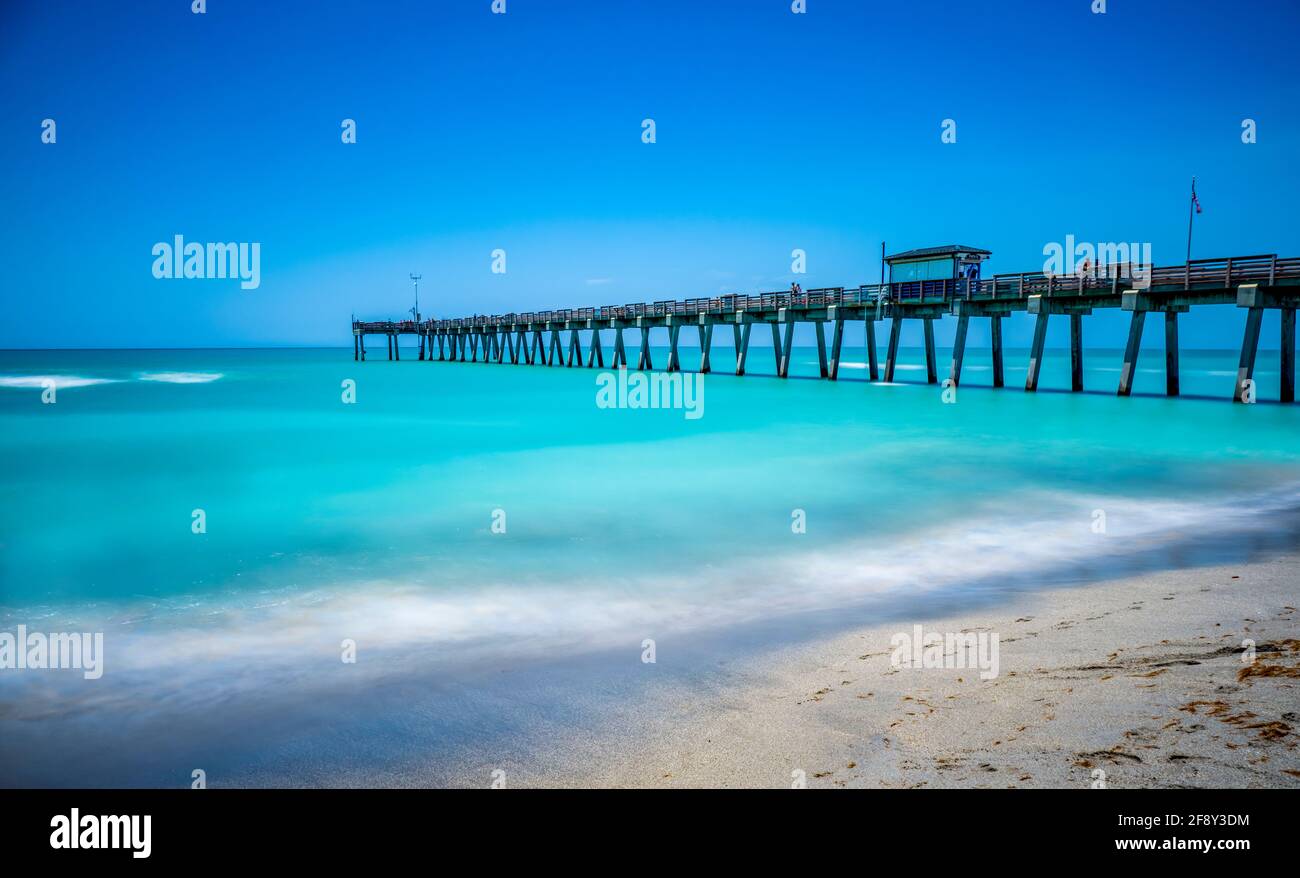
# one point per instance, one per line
(373, 522)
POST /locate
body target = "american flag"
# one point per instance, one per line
(1196, 202)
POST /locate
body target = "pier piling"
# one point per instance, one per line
(1128, 369)
(959, 349)
(1171, 353)
(643, 360)
(742, 346)
(1036, 351)
(891, 355)
(1249, 348)
(674, 359)
(1288, 355)
(1076, 352)
(837, 342)
(706, 347)
(995, 340)
(873, 366)
(931, 366)
(620, 352)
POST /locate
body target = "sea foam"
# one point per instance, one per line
(181, 377)
(60, 382)
(233, 641)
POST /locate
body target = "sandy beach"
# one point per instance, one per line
(1136, 682)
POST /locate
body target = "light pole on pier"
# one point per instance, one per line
(415, 280)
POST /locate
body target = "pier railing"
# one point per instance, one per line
(1098, 280)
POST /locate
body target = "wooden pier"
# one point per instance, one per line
(1254, 283)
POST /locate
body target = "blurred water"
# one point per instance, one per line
(372, 521)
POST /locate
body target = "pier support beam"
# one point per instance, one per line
(742, 346)
(1249, 347)
(643, 359)
(995, 338)
(421, 354)
(1036, 352)
(782, 347)
(575, 349)
(837, 342)
(356, 347)
(891, 356)
(1128, 370)
(873, 367)
(1288, 355)
(595, 356)
(473, 347)
(620, 352)
(1076, 352)
(555, 357)
(706, 345)
(1171, 353)
(674, 359)
(959, 348)
(931, 370)
(539, 349)
(389, 339)
(821, 348)
(363, 347)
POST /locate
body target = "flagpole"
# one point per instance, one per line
(1191, 212)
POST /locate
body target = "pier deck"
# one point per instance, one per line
(1255, 283)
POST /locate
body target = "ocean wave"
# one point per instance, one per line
(289, 637)
(181, 377)
(60, 382)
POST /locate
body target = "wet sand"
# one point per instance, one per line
(1137, 682)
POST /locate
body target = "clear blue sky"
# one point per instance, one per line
(523, 131)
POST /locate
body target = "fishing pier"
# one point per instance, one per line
(926, 285)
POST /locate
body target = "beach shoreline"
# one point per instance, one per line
(1135, 682)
